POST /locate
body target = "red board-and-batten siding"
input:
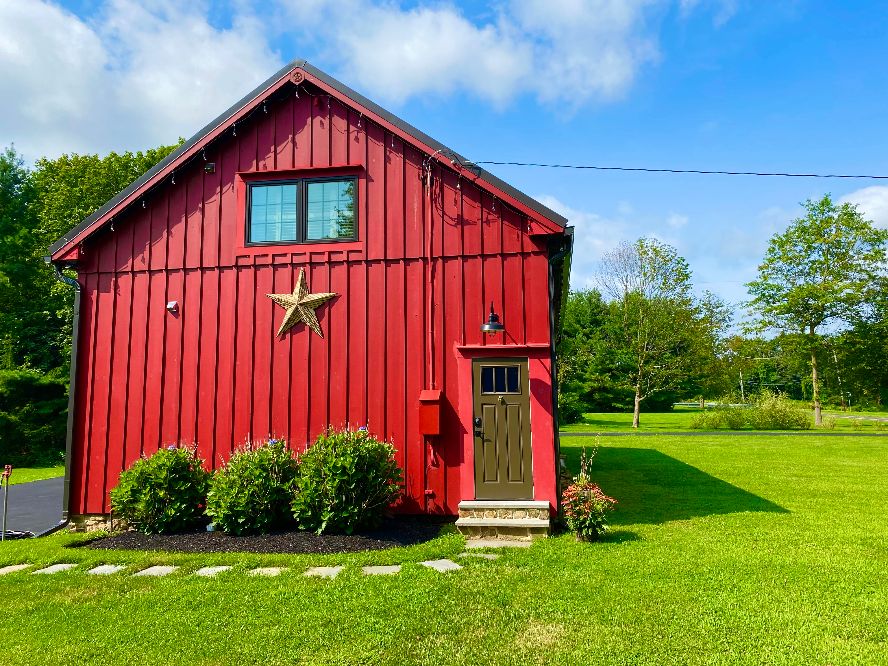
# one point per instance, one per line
(216, 374)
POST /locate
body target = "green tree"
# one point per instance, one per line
(820, 271)
(656, 325)
(16, 243)
(36, 207)
(860, 354)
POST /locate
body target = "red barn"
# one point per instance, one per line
(309, 259)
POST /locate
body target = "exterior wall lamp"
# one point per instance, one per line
(493, 325)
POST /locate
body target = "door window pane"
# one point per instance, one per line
(487, 379)
(330, 209)
(512, 379)
(500, 379)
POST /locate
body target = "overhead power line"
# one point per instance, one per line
(691, 171)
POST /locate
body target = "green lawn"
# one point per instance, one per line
(27, 474)
(680, 419)
(725, 550)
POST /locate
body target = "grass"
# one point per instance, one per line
(679, 419)
(28, 474)
(734, 549)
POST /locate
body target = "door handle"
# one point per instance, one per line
(477, 423)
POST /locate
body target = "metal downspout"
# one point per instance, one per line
(72, 389)
(566, 247)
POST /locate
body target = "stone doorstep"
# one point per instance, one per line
(472, 544)
(475, 505)
(538, 523)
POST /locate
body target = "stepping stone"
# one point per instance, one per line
(485, 556)
(156, 571)
(441, 565)
(12, 568)
(268, 571)
(381, 570)
(496, 543)
(323, 572)
(106, 569)
(209, 572)
(55, 568)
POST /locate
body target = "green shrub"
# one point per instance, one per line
(33, 418)
(163, 493)
(829, 423)
(347, 479)
(570, 408)
(772, 411)
(251, 494)
(768, 411)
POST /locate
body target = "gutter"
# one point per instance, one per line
(72, 390)
(564, 254)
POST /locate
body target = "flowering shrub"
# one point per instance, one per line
(164, 493)
(251, 494)
(586, 509)
(585, 506)
(347, 479)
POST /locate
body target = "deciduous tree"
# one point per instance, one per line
(820, 271)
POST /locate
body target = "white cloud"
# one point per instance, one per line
(676, 221)
(567, 51)
(135, 77)
(141, 72)
(872, 202)
(593, 236)
(723, 10)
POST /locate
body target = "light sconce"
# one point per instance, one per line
(210, 167)
(493, 325)
(173, 307)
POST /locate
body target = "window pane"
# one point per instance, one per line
(500, 379)
(512, 378)
(273, 213)
(487, 379)
(330, 209)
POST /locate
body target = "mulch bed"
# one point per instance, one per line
(395, 532)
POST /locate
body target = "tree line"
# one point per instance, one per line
(817, 326)
(38, 204)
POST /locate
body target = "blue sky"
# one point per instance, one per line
(719, 84)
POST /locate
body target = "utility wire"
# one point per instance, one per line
(693, 171)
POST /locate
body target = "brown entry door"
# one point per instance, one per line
(501, 423)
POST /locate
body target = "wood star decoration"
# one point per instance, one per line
(300, 306)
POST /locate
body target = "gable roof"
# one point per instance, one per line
(549, 220)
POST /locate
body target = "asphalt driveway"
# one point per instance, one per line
(35, 506)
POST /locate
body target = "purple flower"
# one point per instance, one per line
(172, 447)
(362, 429)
